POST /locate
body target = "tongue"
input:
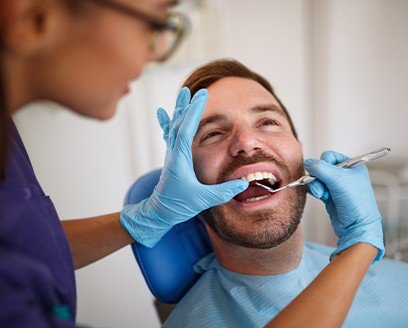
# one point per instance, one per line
(251, 192)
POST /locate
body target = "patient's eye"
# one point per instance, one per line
(270, 121)
(269, 124)
(210, 135)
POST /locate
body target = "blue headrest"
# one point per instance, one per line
(168, 266)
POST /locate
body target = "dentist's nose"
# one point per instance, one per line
(244, 142)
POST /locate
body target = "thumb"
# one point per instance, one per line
(227, 190)
(322, 170)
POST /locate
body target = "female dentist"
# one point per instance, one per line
(83, 54)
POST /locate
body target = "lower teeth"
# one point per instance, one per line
(255, 199)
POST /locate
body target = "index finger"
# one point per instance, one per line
(191, 121)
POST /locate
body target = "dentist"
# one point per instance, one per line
(82, 54)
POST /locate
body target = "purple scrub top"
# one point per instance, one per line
(37, 281)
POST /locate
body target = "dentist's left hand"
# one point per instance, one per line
(179, 195)
(350, 201)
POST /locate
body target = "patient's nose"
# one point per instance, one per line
(244, 142)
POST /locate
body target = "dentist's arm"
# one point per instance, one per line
(91, 239)
(356, 220)
(178, 196)
(327, 300)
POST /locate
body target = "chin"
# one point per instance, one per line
(101, 113)
(106, 112)
(105, 116)
(262, 227)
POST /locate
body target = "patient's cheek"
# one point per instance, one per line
(204, 168)
(291, 151)
(198, 162)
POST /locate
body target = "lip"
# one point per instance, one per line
(126, 90)
(243, 171)
(271, 201)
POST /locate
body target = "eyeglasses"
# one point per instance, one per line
(167, 35)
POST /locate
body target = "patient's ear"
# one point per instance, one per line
(29, 27)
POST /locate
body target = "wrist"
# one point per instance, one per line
(371, 234)
(143, 224)
(366, 251)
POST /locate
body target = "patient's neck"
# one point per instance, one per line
(250, 261)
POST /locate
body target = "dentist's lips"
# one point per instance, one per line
(126, 90)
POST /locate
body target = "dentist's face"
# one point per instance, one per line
(245, 133)
(93, 54)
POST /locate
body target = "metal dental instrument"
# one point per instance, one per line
(349, 163)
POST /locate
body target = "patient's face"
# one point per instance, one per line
(245, 133)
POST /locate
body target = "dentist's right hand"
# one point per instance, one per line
(349, 199)
(179, 195)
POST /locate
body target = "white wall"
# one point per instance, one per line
(340, 66)
(360, 80)
(361, 74)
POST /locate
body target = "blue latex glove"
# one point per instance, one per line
(178, 196)
(349, 199)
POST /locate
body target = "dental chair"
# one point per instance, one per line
(168, 266)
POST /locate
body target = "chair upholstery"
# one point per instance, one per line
(168, 266)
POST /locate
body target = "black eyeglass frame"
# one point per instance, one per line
(180, 30)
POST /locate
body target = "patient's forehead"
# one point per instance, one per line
(236, 94)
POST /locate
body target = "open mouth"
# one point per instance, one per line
(256, 193)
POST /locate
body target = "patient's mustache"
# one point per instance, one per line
(258, 157)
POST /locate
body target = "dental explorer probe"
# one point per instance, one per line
(381, 152)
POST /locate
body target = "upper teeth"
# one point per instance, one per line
(260, 176)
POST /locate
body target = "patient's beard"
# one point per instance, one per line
(260, 229)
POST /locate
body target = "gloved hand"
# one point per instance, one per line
(349, 199)
(178, 196)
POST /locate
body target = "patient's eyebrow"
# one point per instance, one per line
(268, 108)
(216, 118)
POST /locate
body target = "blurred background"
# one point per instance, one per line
(341, 68)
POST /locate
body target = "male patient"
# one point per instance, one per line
(260, 261)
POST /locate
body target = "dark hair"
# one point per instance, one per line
(208, 74)
(3, 123)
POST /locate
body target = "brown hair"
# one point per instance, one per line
(208, 74)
